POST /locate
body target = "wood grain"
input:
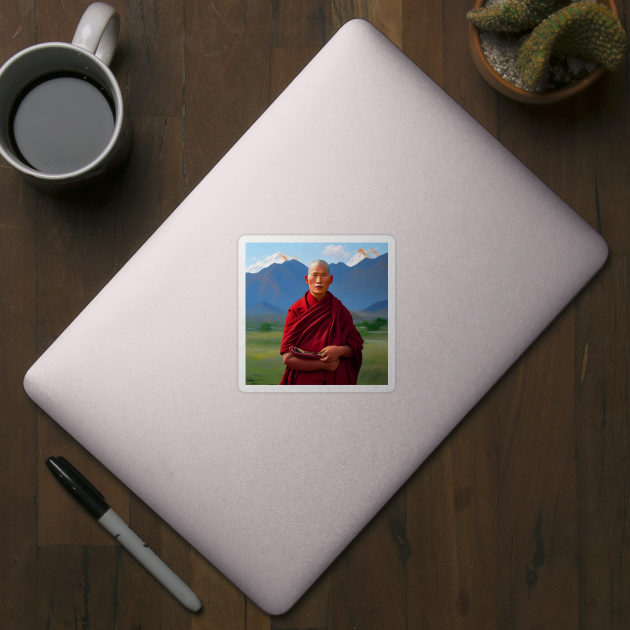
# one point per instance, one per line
(71, 593)
(602, 380)
(305, 23)
(452, 515)
(18, 416)
(369, 577)
(537, 510)
(154, 58)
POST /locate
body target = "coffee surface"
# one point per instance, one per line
(62, 124)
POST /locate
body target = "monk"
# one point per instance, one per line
(319, 322)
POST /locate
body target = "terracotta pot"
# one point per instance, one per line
(518, 94)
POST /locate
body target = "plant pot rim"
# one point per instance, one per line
(519, 94)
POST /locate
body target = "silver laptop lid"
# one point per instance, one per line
(270, 486)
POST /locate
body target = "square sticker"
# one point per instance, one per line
(316, 313)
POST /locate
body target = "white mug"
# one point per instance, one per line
(62, 114)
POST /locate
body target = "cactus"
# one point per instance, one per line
(513, 16)
(584, 29)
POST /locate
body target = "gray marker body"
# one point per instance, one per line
(149, 559)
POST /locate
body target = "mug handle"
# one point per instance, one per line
(98, 30)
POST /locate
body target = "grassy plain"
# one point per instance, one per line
(263, 363)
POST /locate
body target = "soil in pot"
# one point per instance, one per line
(501, 49)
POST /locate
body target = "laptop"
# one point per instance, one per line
(167, 376)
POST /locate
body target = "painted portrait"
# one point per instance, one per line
(316, 313)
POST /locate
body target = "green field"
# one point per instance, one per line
(263, 363)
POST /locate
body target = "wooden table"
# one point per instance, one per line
(518, 520)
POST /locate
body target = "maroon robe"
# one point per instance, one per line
(312, 325)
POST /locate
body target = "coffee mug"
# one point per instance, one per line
(62, 114)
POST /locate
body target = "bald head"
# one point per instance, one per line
(318, 278)
(320, 263)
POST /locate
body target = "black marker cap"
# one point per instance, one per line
(78, 486)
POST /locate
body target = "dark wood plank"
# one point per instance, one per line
(18, 415)
(154, 57)
(76, 587)
(18, 420)
(422, 36)
(226, 78)
(369, 577)
(558, 147)
(386, 15)
(603, 442)
(609, 135)
(17, 28)
(537, 537)
(304, 23)
(452, 527)
(608, 126)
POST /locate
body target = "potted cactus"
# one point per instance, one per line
(558, 49)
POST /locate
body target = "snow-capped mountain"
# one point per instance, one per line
(276, 258)
(361, 255)
(363, 286)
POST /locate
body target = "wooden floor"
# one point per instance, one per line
(518, 520)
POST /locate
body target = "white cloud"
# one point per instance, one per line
(335, 252)
(254, 258)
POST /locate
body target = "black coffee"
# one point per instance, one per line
(61, 123)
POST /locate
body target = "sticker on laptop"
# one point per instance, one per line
(316, 313)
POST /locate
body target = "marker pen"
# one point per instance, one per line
(94, 502)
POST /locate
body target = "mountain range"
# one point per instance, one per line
(359, 287)
(279, 258)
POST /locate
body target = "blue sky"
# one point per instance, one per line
(307, 252)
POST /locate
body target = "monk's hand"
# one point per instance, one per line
(331, 353)
(330, 366)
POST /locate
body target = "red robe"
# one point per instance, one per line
(312, 325)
